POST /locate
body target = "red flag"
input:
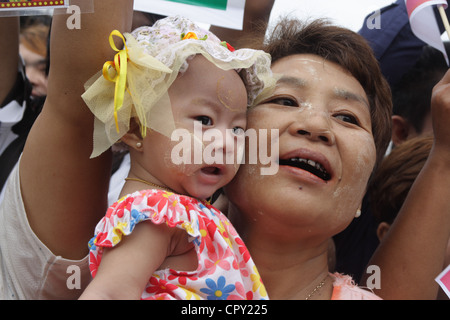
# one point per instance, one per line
(423, 22)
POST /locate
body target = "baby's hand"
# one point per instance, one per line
(440, 111)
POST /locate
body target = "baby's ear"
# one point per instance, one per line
(133, 138)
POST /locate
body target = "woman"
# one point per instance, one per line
(328, 106)
(332, 106)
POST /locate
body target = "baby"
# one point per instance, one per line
(162, 240)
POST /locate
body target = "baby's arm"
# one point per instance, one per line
(125, 270)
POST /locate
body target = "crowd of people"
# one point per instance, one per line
(360, 121)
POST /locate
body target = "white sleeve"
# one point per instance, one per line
(28, 269)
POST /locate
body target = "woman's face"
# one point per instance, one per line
(326, 150)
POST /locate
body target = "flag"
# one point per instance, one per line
(444, 281)
(423, 22)
(215, 4)
(222, 13)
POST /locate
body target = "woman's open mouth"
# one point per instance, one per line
(313, 167)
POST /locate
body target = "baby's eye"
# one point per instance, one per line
(238, 131)
(205, 120)
(348, 118)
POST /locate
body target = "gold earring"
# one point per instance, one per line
(358, 213)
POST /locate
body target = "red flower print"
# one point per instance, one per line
(216, 258)
(212, 228)
(128, 205)
(240, 290)
(230, 229)
(206, 230)
(243, 249)
(165, 205)
(102, 240)
(93, 263)
(138, 199)
(159, 286)
(243, 268)
(109, 212)
(118, 211)
(158, 201)
(181, 276)
(242, 295)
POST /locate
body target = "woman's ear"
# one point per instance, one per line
(400, 130)
(133, 138)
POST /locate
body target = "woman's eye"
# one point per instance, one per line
(348, 118)
(205, 120)
(284, 101)
(238, 131)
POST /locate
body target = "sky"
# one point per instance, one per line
(347, 13)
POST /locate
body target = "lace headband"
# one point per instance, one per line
(136, 83)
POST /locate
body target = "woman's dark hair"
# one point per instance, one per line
(395, 176)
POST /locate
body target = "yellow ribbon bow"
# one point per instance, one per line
(120, 64)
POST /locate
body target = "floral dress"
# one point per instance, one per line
(225, 269)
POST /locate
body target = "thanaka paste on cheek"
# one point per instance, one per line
(223, 98)
(224, 95)
(350, 196)
(305, 106)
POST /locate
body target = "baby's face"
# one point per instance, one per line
(209, 106)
